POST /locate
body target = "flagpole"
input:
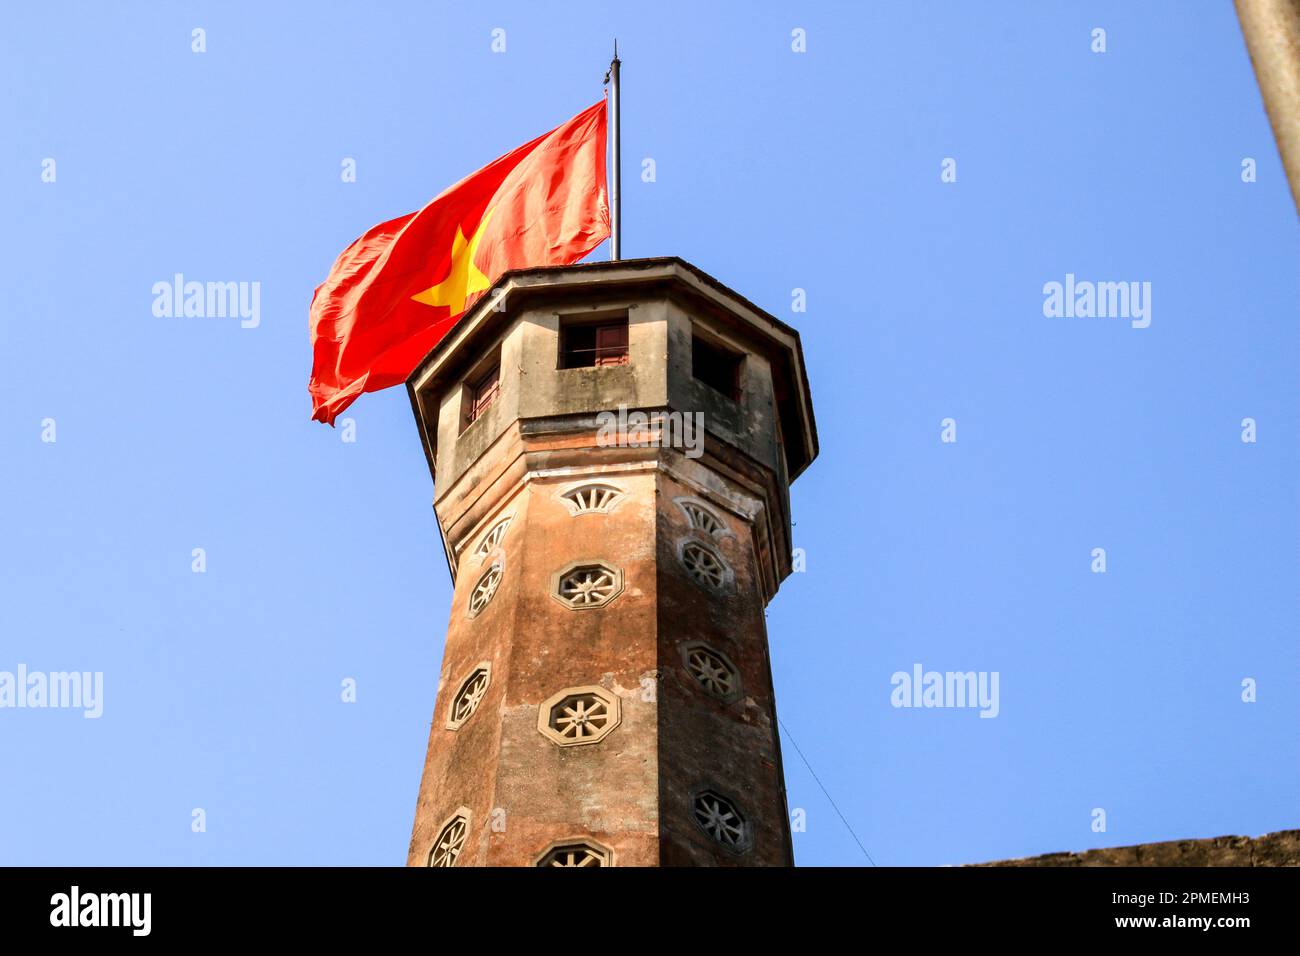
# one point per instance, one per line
(615, 203)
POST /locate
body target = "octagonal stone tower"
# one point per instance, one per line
(611, 445)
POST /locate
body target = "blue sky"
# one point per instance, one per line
(775, 170)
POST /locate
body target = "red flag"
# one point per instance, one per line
(398, 289)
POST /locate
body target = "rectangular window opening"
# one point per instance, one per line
(716, 367)
(482, 392)
(593, 344)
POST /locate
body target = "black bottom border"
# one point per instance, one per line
(338, 904)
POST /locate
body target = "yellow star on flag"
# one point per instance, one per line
(463, 278)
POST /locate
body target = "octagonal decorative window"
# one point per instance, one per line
(578, 715)
(719, 817)
(485, 588)
(712, 670)
(469, 695)
(594, 498)
(586, 584)
(492, 540)
(450, 840)
(577, 852)
(704, 565)
(701, 517)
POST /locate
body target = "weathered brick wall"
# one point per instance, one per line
(1273, 849)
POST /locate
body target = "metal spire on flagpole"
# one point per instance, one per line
(615, 199)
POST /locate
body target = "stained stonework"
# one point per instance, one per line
(631, 789)
(1274, 849)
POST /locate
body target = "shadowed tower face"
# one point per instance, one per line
(612, 446)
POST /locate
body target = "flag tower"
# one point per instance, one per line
(611, 445)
